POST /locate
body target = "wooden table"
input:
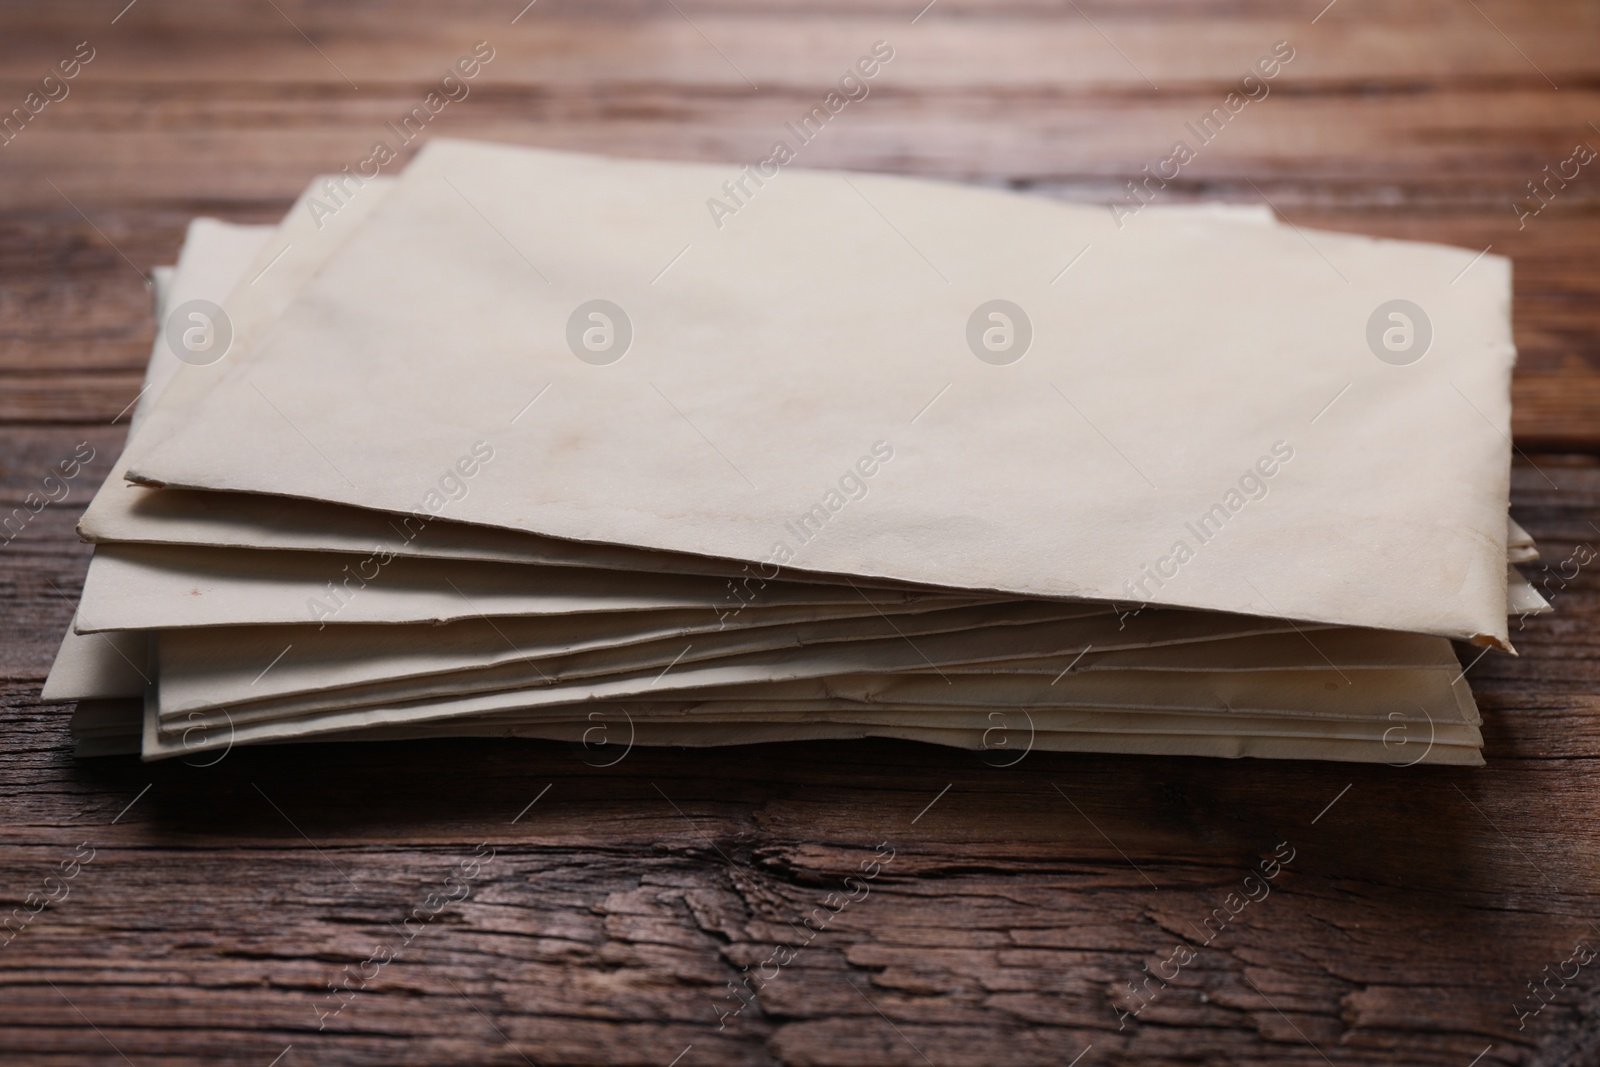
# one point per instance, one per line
(222, 903)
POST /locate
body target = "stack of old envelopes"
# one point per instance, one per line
(534, 444)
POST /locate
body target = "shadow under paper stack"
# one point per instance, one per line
(522, 442)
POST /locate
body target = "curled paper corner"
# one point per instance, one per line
(1491, 641)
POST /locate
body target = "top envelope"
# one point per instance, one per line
(895, 378)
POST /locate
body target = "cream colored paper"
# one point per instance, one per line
(98, 666)
(595, 678)
(242, 520)
(252, 272)
(159, 587)
(215, 257)
(219, 666)
(218, 262)
(226, 666)
(760, 653)
(1384, 707)
(799, 340)
(1107, 729)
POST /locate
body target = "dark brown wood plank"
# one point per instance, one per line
(218, 908)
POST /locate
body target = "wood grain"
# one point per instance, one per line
(1020, 904)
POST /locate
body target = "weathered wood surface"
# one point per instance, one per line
(616, 910)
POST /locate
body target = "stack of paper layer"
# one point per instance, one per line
(521, 444)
